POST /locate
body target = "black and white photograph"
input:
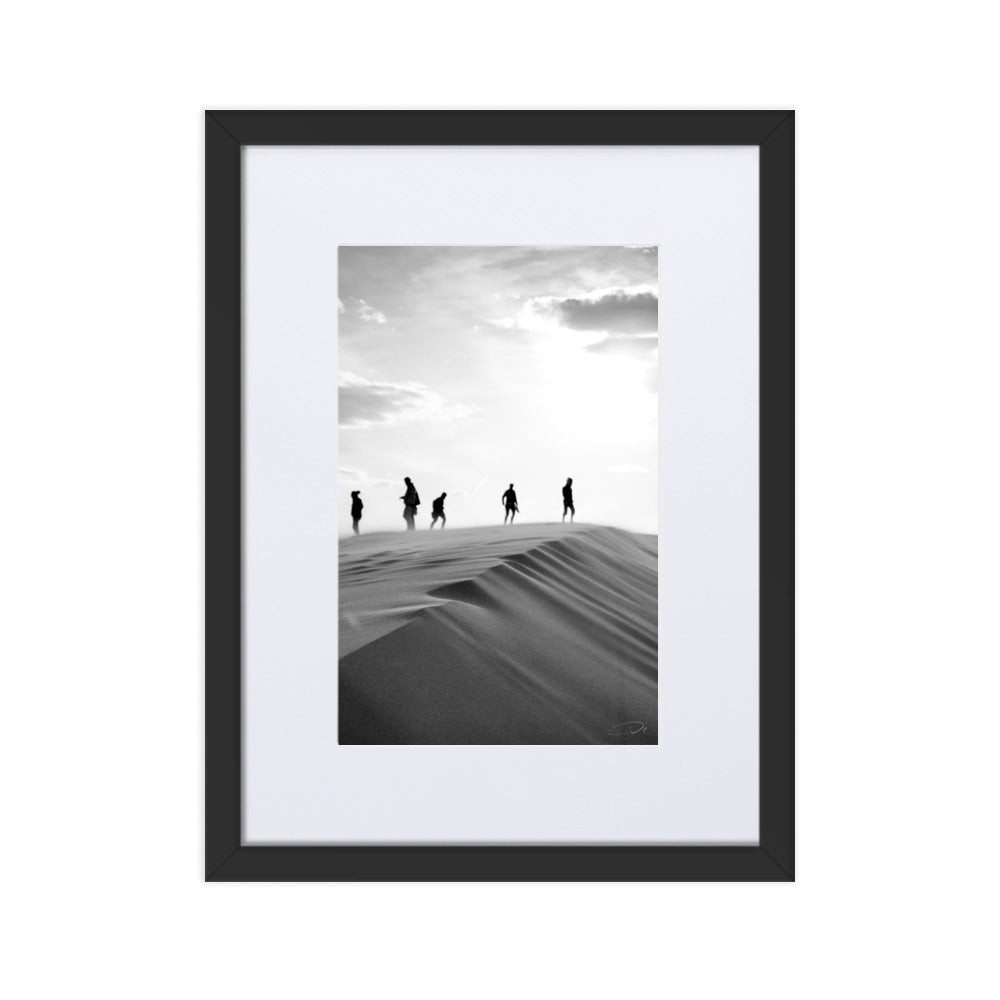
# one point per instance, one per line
(498, 472)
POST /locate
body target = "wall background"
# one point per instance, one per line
(101, 422)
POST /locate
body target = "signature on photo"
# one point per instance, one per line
(633, 728)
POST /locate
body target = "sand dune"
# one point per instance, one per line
(532, 634)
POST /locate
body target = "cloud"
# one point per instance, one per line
(358, 477)
(612, 311)
(364, 403)
(515, 257)
(358, 307)
(618, 312)
(369, 313)
(639, 346)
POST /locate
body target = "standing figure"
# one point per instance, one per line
(437, 511)
(509, 500)
(411, 501)
(356, 508)
(568, 501)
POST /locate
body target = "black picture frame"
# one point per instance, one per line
(226, 857)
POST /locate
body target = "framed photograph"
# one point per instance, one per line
(499, 495)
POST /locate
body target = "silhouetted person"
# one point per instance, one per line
(356, 508)
(437, 511)
(411, 501)
(568, 501)
(509, 500)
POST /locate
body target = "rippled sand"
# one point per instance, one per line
(538, 633)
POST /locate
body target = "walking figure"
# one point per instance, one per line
(437, 511)
(568, 501)
(356, 508)
(509, 500)
(411, 501)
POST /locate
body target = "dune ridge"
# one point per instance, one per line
(527, 635)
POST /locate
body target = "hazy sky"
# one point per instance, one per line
(468, 368)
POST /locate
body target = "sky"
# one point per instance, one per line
(470, 368)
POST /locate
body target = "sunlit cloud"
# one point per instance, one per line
(617, 313)
(366, 403)
(640, 346)
(611, 311)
